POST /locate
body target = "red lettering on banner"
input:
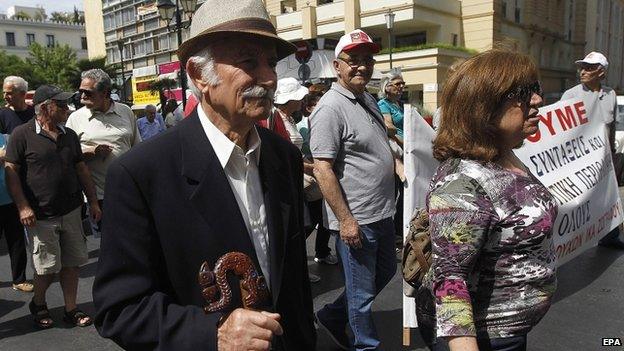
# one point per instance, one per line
(567, 116)
(548, 122)
(567, 120)
(580, 111)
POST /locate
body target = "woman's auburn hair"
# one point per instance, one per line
(472, 100)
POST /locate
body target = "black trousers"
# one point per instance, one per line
(13, 231)
(321, 246)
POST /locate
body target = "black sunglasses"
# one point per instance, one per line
(87, 93)
(524, 93)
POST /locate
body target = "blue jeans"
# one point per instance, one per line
(367, 271)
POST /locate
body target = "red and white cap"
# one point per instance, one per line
(355, 39)
(594, 58)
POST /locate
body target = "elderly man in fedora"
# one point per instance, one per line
(214, 184)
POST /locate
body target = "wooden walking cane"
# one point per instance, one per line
(217, 291)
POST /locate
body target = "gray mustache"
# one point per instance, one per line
(258, 91)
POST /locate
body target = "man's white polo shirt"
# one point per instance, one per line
(116, 127)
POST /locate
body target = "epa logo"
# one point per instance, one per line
(611, 342)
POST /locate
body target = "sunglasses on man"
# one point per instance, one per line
(85, 92)
(589, 67)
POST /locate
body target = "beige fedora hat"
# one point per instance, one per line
(217, 17)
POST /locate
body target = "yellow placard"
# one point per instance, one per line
(141, 94)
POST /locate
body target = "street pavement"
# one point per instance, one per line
(589, 305)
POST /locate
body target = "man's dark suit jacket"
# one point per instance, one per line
(168, 208)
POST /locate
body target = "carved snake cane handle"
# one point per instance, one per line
(217, 291)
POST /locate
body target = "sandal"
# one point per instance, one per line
(74, 316)
(41, 314)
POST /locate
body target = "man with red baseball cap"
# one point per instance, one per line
(354, 166)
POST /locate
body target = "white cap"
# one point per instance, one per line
(289, 89)
(114, 97)
(356, 38)
(593, 58)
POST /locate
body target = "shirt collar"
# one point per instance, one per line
(38, 128)
(224, 147)
(342, 90)
(111, 109)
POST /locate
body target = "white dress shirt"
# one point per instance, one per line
(241, 169)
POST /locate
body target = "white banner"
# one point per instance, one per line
(571, 156)
(419, 168)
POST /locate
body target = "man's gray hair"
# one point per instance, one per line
(204, 61)
(19, 83)
(385, 80)
(102, 79)
(150, 107)
(38, 106)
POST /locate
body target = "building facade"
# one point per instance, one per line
(134, 29)
(604, 32)
(16, 35)
(428, 35)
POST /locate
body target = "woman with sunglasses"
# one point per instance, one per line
(493, 272)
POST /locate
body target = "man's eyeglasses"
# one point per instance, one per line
(85, 92)
(355, 62)
(589, 67)
(524, 93)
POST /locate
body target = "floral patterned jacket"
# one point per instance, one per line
(493, 272)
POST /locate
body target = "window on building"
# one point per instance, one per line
(128, 15)
(139, 48)
(10, 39)
(30, 38)
(163, 42)
(49, 40)
(127, 52)
(83, 43)
(149, 46)
(455, 39)
(151, 24)
(127, 31)
(410, 39)
(118, 19)
(504, 10)
(109, 22)
(517, 11)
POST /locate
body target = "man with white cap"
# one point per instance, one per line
(213, 185)
(592, 70)
(354, 166)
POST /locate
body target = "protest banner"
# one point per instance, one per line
(419, 168)
(571, 156)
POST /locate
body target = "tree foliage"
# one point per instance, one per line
(52, 65)
(22, 15)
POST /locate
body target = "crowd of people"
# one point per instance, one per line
(257, 166)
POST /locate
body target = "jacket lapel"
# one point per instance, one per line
(211, 194)
(277, 210)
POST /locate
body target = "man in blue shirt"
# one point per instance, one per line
(12, 229)
(151, 124)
